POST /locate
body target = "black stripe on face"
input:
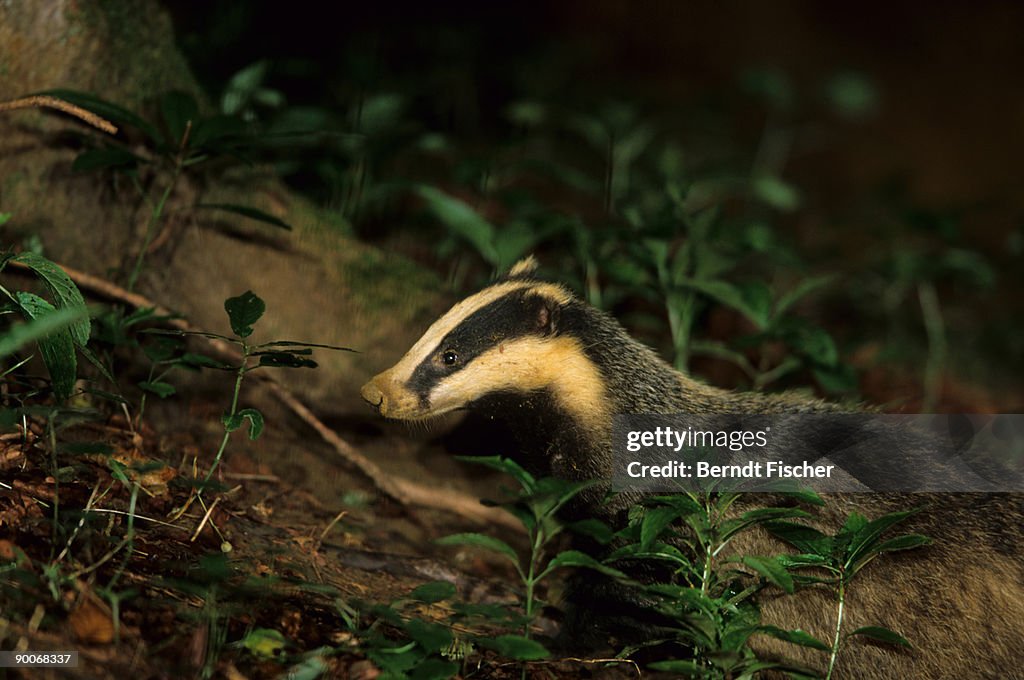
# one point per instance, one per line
(518, 314)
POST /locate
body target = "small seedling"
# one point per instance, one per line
(536, 506)
(243, 313)
(842, 557)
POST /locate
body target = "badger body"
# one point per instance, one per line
(558, 370)
(554, 367)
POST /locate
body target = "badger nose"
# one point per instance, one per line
(372, 395)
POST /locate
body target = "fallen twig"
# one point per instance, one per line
(46, 101)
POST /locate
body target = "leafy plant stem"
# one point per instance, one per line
(531, 579)
(841, 594)
(154, 219)
(680, 321)
(239, 375)
(705, 578)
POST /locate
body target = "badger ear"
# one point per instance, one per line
(524, 269)
(546, 314)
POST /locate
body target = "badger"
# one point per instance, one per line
(557, 370)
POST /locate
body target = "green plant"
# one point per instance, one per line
(705, 594)
(59, 328)
(243, 312)
(421, 652)
(925, 252)
(841, 557)
(536, 506)
(181, 141)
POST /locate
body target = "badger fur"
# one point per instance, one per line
(558, 369)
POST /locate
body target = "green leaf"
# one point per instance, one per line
(771, 569)
(481, 541)
(526, 113)
(242, 85)
(852, 95)
(264, 642)
(380, 113)
(118, 115)
(682, 667)
(5, 218)
(161, 389)
(95, 361)
(759, 516)
(803, 560)
(797, 637)
(432, 592)
(905, 542)
(519, 510)
(235, 422)
(64, 291)
(100, 159)
(285, 360)
(551, 493)
(179, 110)
(217, 133)
(730, 296)
(802, 537)
(881, 634)
(836, 379)
(516, 647)
(575, 558)
(512, 242)
(460, 219)
(293, 343)
(255, 419)
(396, 661)
(592, 528)
(865, 539)
(506, 465)
(816, 344)
(434, 669)
(757, 297)
(805, 288)
(243, 311)
(246, 211)
(47, 325)
(57, 348)
(310, 668)
(654, 523)
(433, 637)
(776, 193)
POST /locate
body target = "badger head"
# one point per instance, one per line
(508, 339)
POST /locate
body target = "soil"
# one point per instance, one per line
(288, 538)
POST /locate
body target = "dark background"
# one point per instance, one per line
(936, 146)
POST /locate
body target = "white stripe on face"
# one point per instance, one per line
(390, 391)
(421, 351)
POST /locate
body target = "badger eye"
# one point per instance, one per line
(449, 357)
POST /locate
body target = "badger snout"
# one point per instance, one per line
(372, 395)
(392, 398)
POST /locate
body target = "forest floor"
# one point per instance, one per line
(276, 566)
